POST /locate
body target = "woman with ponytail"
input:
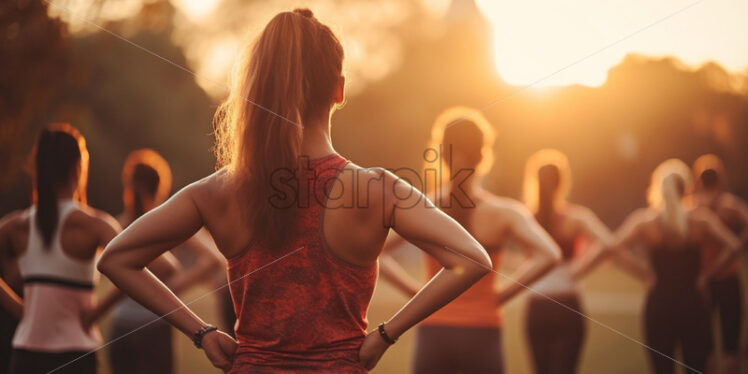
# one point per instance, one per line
(146, 182)
(674, 234)
(725, 290)
(55, 242)
(555, 327)
(301, 275)
(465, 336)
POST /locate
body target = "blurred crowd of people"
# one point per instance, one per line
(301, 275)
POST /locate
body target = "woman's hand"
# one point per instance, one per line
(220, 348)
(372, 350)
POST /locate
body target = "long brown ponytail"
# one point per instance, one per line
(60, 152)
(288, 80)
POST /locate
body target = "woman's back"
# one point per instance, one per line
(479, 305)
(675, 258)
(58, 285)
(309, 306)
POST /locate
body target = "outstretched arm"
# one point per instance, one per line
(125, 258)
(541, 251)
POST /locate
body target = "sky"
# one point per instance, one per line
(534, 38)
(534, 41)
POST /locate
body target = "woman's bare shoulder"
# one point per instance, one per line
(17, 220)
(87, 216)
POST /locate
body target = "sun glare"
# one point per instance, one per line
(548, 43)
(196, 9)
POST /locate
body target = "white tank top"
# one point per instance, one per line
(56, 289)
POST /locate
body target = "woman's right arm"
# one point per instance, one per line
(125, 258)
(464, 261)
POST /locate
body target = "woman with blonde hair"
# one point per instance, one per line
(465, 336)
(725, 290)
(673, 234)
(555, 323)
(301, 275)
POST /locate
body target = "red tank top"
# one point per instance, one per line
(305, 312)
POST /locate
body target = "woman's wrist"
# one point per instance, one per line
(197, 338)
(392, 330)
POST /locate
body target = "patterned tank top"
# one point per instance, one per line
(300, 308)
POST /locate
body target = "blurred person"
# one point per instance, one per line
(146, 180)
(465, 335)
(676, 313)
(301, 275)
(725, 293)
(54, 243)
(555, 322)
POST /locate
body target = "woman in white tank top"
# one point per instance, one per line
(55, 242)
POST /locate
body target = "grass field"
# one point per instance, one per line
(610, 297)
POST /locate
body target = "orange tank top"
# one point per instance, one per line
(476, 307)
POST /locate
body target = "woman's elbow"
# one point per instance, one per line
(481, 264)
(106, 262)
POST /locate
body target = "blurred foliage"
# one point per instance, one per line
(120, 97)
(123, 98)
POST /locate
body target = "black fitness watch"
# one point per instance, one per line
(198, 337)
(384, 335)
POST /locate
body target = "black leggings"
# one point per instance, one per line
(31, 362)
(145, 351)
(727, 297)
(556, 334)
(672, 320)
(450, 350)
